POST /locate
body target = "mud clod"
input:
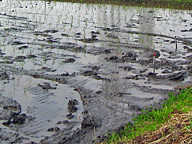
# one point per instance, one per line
(9, 108)
(72, 106)
(23, 47)
(90, 122)
(17, 43)
(55, 129)
(95, 68)
(70, 60)
(59, 122)
(48, 69)
(89, 73)
(89, 40)
(31, 56)
(99, 92)
(129, 57)
(73, 102)
(65, 122)
(51, 31)
(16, 118)
(20, 58)
(3, 76)
(19, 119)
(107, 51)
(95, 32)
(69, 116)
(32, 142)
(166, 71)
(128, 68)
(112, 58)
(46, 86)
(189, 69)
(177, 76)
(65, 74)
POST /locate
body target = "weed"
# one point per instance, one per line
(180, 4)
(151, 120)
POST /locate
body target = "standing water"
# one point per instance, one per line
(100, 55)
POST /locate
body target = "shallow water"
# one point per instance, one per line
(73, 22)
(40, 36)
(46, 106)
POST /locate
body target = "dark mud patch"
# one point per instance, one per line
(9, 107)
(4, 76)
(72, 105)
(46, 86)
(89, 40)
(70, 60)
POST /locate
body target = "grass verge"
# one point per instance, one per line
(170, 124)
(173, 4)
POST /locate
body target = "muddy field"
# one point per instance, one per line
(72, 73)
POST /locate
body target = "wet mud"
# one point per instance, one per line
(67, 79)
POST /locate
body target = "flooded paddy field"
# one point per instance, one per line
(71, 73)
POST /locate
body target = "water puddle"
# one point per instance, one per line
(46, 106)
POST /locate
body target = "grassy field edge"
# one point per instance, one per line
(173, 4)
(170, 124)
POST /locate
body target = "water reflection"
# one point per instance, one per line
(71, 18)
(40, 21)
(146, 24)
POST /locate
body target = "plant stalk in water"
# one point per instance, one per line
(154, 62)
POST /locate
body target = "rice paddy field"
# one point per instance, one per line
(80, 71)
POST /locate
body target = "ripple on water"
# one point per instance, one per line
(47, 106)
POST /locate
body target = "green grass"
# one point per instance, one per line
(151, 120)
(173, 4)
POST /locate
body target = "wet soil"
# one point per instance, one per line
(74, 79)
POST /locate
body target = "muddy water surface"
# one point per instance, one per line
(46, 107)
(76, 71)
